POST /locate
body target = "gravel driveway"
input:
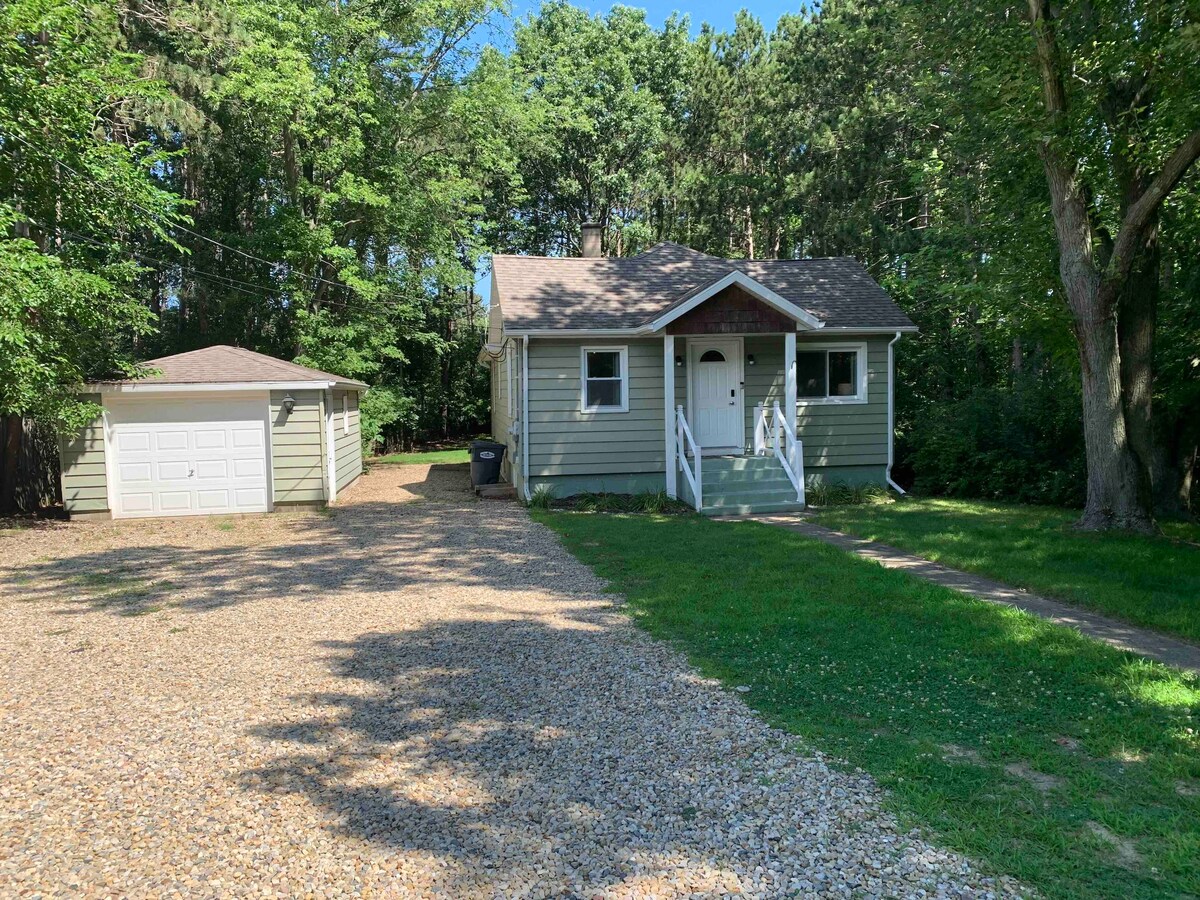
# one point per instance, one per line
(414, 695)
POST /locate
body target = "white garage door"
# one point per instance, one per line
(186, 457)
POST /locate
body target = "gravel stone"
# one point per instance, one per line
(414, 694)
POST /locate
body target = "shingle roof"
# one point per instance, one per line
(223, 364)
(537, 292)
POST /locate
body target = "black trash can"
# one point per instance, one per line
(486, 457)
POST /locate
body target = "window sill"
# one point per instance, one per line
(587, 411)
(833, 401)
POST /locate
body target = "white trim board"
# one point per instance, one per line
(622, 351)
(154, 388)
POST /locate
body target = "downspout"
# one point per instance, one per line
(891, 417)
(525, 418)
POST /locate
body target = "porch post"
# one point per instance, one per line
(669, 410)
(789, 386)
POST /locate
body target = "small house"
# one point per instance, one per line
(730, 384)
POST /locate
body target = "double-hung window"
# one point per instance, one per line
(835, 373)
(605, 378)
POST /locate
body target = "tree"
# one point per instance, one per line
(69, 308)
(1109, 281)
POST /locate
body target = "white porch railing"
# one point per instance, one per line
(684, 433)
(777, 431)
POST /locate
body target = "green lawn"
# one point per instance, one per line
(1152, 581)
(1052, 758)
(429, 457)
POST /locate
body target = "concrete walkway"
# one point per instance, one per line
(1150, 644)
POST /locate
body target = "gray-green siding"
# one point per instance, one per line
(563, 440)
(347, 438)
(298, 447)
(84, 478)
(852, 434)
(846, 441)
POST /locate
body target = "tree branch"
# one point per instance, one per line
(1140, 213)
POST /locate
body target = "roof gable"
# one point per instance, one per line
(740, 279)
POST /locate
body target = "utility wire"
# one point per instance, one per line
(345, 303)
(174, 225)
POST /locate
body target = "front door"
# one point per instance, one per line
(715, 393)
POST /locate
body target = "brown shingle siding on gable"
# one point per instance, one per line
(541, 293)
(733, 311)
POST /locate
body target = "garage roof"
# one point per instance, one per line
(225, 365)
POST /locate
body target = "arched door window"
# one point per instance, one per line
(712, 356)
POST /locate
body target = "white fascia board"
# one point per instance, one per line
(579, 332)
(744, 281)
(905, 329)
(214, 387)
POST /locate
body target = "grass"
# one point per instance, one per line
(1150, 581)
(1041, 754)
(424, 458)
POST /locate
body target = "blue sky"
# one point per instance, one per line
(720, 15)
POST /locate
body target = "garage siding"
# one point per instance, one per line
(84, 479)
(297, 448)
(347, 439)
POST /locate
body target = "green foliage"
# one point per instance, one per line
(380, 408)
(822, 493)
(1020, 443)
(542, 497)
(69, 310)
(1147, 580)
(952, 705)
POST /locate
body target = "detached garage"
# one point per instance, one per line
(217, 431)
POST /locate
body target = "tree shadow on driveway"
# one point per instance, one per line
(366, 548)
(572, 754)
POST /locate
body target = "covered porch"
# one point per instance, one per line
(730, 391)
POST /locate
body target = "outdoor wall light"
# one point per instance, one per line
(289, 404)
(749, 359)
(679, 362)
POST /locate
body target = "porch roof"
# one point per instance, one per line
(538, 293)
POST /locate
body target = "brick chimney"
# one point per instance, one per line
(589, 240)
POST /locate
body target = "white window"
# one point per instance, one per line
(831, 373)
(345, 413)
(605, 377)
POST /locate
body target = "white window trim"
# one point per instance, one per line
(860, 347)
(345, 413)
(583, 380)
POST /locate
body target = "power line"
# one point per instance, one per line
(225, 281)
(221, 280)
(345, 303)
(174, 225)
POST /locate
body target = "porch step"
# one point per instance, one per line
(738, 485)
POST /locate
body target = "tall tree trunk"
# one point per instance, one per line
(14, 429)
(1116, 492)
(1136, 320)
